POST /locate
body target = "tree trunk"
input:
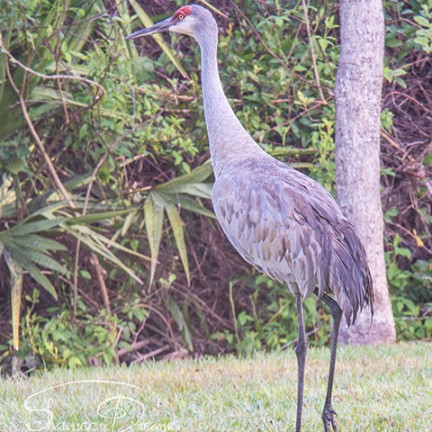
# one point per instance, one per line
(358, 107)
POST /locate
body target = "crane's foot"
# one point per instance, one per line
(328, 418)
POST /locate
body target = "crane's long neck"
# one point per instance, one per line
(227, 138)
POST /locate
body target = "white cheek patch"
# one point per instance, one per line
(183, 27)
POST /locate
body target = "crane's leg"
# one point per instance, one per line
(328, 414)
(300, 351)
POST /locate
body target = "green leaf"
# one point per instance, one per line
(45, 261)
(74, 361)
(34, 241)
(39, 207)
(104, 174)
(193, 205)
(197, 175)
(98, 217)
(388, 74)
(181, 322)
(186, 202)
(399, 72)
(422, 21)
(32, 227)
(24, 260)
(129, 221)
(178, 231)
(32, 255)
(393, 43)
(153, 215)
(404, 252)
(201, 190)
(401, 82)
(41, 279)
(16, 165)
(422, 40)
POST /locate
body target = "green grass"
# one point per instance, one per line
(377, 389)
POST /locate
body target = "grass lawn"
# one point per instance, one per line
(377, 389)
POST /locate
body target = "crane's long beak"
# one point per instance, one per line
(157, 28)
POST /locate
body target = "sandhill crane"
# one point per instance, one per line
(279, 220)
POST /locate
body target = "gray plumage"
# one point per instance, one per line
(288, 226)
(279, 220)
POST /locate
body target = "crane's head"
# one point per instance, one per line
(192, 20)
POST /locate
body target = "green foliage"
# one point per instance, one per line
(408, 211)
(423, 35)
(283, 102)
(410, 293)
(73, 340)
(29, 250)
(165, 198)
(67, 340)
(272, 322)
(61, 78)
(410, 33)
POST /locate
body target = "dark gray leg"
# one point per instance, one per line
(328, 414)
(300, 351)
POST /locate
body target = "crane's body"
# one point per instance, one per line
(278, 219)
(288, 226)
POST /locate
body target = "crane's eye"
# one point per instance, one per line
(180, 16)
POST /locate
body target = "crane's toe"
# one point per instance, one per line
(328, 417)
